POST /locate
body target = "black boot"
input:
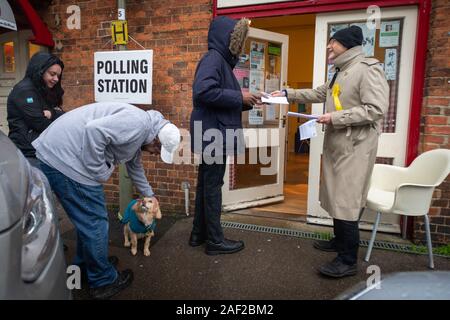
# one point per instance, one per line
(196, 239)
(124, 279)
(338, 269)
(327, 246)
(224, 247)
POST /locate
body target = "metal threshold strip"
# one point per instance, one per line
(318, 236)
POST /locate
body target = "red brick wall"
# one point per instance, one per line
(177, 32)
(435, 128)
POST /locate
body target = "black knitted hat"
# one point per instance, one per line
(349, 37)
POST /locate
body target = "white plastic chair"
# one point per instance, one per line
(407, 191)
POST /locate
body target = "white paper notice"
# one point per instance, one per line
(390, 64)
(389, 34)
(308, 130)
(257, 55)
(275, 100)
(255, 116)
(270, 112)
(256, 81)
(272, 85)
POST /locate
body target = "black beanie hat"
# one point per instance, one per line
(349, 37)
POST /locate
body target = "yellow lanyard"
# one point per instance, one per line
(336, 91)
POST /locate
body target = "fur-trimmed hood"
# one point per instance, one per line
(227, 36)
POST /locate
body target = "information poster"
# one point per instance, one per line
(390, 64)
(389, 34)
(256, 81)
(243, 77)
(256, 116)
(270, 112)
(257, 55)
(272, 85)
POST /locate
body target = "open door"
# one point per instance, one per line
(394, 45)
(258, 179)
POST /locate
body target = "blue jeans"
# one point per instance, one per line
(85, 206)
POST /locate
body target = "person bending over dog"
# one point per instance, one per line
(78, 153)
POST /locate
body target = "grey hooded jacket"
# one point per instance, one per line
(85, 143)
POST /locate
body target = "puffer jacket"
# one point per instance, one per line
(28, 100)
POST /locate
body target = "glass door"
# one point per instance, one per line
(256, 178)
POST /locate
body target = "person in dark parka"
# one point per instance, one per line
(218, 105)
(35, 102)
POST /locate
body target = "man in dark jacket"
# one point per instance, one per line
(35, 102)
(218, 105)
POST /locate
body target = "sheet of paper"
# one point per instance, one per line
(302, 115)
(308, 130)
(275, 100)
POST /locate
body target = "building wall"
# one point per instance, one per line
(176, 31)
(435, 126)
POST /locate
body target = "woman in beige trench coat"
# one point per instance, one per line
(355, 101)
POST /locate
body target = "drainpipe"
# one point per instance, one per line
(125, 184)
(186, 186)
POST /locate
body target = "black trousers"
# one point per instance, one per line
(347, 240)
(208, 201)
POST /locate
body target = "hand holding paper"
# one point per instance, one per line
(277, 93)
(325, 118)
(249, 99)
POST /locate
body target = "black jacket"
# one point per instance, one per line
(217, 96)
(27, 102)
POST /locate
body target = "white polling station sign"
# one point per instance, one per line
(124, 76)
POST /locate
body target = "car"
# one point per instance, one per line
(417, 285)
(32, 262)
